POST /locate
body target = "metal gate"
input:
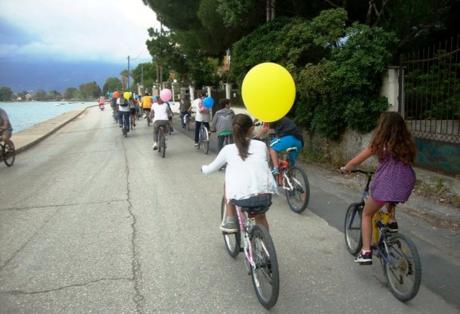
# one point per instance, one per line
(430, 87)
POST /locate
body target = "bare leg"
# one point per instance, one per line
(262, 220)
(370, 208)
(274, 156)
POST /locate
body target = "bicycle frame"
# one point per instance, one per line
(246, 223)
(378, 220)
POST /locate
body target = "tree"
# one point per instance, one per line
(90, 90)
(54, 95)
(40, 95)
(111, 84)
(71, 93)
(5, 93)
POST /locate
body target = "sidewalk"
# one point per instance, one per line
(29, 137)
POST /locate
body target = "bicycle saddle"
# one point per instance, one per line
(258, 204)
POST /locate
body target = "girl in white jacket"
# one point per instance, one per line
(247, 173)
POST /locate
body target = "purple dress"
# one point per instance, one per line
(393, 181)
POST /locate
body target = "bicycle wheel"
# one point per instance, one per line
(204, 139)
(299, 195)
(159, 139)
(352, 228)
(232, 240)
(265, 277)
(403, 268)
(9, 154)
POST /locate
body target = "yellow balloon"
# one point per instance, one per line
(127, 95)
(268, 91)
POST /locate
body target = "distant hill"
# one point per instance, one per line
(54, 75)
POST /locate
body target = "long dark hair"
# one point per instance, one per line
(242, 123)
(392, 137)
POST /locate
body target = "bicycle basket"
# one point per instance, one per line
(257, 204)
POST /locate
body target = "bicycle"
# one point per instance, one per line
(162, 140)
(294, 181)
(397, 253)
(203, 139)
(7, 153)
(187, 119)
(259, 251)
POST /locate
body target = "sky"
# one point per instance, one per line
(75, 30)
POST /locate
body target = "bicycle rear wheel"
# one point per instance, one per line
(352, 228)
(163, 144)
(232, 240)
(403, 268)
(9, 154)
(299, 196)
(265, 277)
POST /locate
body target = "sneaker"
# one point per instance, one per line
(230, 225)
(275, 171)
(393, 226)
(196, 144)
(155, 146)
(364, 258)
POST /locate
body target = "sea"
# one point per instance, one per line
(23, 115)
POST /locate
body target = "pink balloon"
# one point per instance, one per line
(165, 94)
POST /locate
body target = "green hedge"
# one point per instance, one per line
(338, 69)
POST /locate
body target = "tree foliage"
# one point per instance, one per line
(90, 90)
(111, 84)
(5, 93)
(338, 69)
(71, 93)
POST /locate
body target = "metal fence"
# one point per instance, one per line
(430, 88)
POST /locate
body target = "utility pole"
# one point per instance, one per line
(128, 72)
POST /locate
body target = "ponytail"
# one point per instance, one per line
(242, 123)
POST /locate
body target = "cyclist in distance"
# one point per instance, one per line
(222, 121)
(146, 103)
(184, 107)
(247, 174)
(160, 116)
(201, 116)
(394, 177)
(6, 130)
(287, 134)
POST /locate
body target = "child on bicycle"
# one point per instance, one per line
(222, 122)
(159, 114)
(287, 135)
(394, 177)
(247, 174)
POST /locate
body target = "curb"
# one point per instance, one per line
(52, 131)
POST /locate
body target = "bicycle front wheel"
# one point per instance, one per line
(403, 268)
(298, 194)
(232, 240)
(204, 139)
(352, 228)
(265, 276)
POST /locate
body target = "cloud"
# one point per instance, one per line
(99, 30)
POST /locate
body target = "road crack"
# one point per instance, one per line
(135, 264)
(22, 292)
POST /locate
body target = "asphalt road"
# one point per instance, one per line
(94, 222)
